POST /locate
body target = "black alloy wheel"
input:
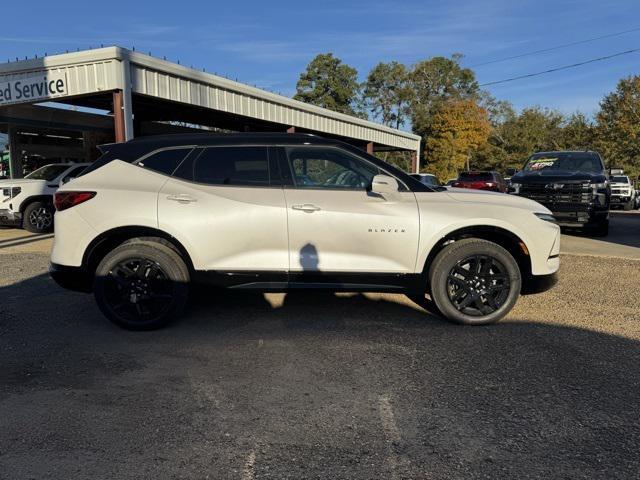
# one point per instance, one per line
(142, 284)
(478, 285)
(138, 289)
(474, 281)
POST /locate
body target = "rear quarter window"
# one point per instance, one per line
(239, 166)
(165, 161)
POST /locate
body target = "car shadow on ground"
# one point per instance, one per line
(312, 378)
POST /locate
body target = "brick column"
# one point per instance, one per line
(118, 117)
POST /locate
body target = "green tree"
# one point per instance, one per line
(438, 80)
(329, 83)
(618, 126)
(387, 94)
(534, 129)
(578, 133)
(458, 129)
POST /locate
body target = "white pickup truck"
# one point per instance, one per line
(622, 192)
(28, 202)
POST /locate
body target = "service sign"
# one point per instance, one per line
(34, 88)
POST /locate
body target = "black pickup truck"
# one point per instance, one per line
(573, 185)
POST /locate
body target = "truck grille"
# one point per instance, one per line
(580, 193)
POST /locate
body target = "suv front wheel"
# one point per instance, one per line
(142, 285)
(38, 217)
(474, 281)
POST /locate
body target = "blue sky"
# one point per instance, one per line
(268, 43)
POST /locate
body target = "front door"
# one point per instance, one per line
(336, 225)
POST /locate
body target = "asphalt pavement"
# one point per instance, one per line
(308, 385)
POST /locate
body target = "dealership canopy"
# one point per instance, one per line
(145, 95)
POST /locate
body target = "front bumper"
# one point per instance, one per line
(10, 218)
(620, 199)
(579, 216)
(71, 278)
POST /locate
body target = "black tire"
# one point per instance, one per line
(477, 293)
(628, 206)
(38, 217)
(141, 285)
(601, 229)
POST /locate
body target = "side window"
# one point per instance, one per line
(243, 166)
(165, 161)
(317, 167)
(74, 172)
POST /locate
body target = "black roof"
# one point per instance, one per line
(176, 139)
(137, 147)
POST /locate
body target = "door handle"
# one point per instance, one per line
(182, 198)
(307, 207)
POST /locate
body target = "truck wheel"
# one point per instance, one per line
(141, 285)
(628, 206)
(38, 217)
(474, 282)
(602, 229)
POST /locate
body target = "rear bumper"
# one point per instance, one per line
(71, 278)
(10, 218)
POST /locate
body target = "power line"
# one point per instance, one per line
(551, 70)
(557, 47)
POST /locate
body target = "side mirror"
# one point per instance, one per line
(384, 184)
(511, 171)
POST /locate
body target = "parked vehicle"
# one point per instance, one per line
(622, 192)
(427, 179)
(573, 185)
(450, 182)
(275, 212)
(28, 202)
(491, 181)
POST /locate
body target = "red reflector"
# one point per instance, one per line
(64, 200)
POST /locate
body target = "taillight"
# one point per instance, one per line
(64, 200)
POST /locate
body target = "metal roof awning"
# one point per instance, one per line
(152, 89)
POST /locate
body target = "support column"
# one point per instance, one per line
(118, 117)
(15, 154)
(291, 130)
(414, 162)
(127, 100)
(369, 148)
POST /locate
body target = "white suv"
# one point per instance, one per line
(275, 212)
(622, 192)
(28, 202)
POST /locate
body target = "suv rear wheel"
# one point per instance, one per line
(142, 285)
(38, 217)
(474, 281)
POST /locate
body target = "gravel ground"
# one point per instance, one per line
(315, 385)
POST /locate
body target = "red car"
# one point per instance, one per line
(481, 181)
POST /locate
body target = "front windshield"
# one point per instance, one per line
(48, 172)
(567, 161)
(620, 180)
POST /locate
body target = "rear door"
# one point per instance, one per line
(226, 205)
(336, 225)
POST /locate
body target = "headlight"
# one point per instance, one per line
(514, 188)
(599, 188)
(11, 192)
(547, 217)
